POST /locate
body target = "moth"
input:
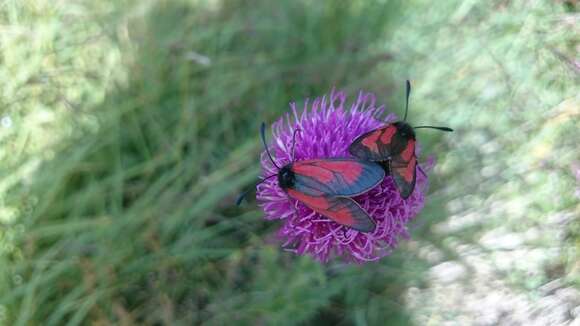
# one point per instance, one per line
(393, 147)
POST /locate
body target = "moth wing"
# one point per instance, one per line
(379, 144)
(336, 177)
(404, 174)
(342, 210)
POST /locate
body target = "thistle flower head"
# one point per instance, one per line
(328, 127)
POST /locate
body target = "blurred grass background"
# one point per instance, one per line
(128, 128)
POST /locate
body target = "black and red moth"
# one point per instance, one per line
(327, 185)
(393, 146)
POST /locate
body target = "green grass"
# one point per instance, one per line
(134, 126)
(131, 215)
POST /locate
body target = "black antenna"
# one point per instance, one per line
(243, 194)
(294, 142)
(407, 110)
(433, 127)
(407, 103)
(262, 134)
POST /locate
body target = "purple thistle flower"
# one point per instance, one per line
(327, 129)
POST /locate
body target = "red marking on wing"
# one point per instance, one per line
(350, 170)
(408, 171)
(321, 174)
(347, 212)
(342, 210)
(370, 141)
(409, 150)
(312, 202)
(342, 215)
(388, 134)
